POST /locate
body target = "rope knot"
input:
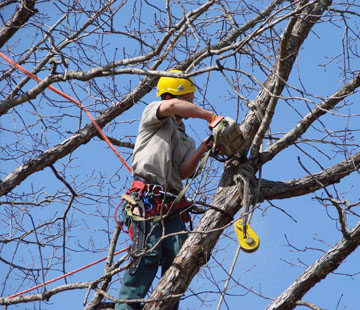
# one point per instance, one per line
(247, 187)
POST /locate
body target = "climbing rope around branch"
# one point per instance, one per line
(245, 181)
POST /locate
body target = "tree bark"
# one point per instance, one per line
(196, 249)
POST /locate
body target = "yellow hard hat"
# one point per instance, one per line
(175, 86)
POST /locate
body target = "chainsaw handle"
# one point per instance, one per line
(209, 138)
(216, 153)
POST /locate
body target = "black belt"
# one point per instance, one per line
(139, 178)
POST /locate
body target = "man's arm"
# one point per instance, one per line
(185, 109)
(188, 167)
(182, 108)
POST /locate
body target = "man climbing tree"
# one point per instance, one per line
(164, 155)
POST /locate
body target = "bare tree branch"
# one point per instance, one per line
(280, 190)
(24, 12)
(318, 271)
(309, 119)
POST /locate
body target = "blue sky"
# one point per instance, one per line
(272, 268)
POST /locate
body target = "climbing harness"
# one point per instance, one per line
(148, 202)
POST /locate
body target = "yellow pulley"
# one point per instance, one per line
(248, 239)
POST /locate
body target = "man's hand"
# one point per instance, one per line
(188, 167)
(207, 143)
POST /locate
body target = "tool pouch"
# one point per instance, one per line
(137, 229)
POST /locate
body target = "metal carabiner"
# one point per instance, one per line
(157, 190)
(147, 204)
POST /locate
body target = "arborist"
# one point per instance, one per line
(163, 156)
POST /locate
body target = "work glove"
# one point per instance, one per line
(214, 121)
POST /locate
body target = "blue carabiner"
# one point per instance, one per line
(147, 204)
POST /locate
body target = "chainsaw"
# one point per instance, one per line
(229, 138)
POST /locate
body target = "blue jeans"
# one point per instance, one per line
(136, 286)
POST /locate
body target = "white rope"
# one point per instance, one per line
(243, 181)
(228, 279)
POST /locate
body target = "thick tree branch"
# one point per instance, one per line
(280, 190)
(83, 136)
(300, 128)
(318, 271)
(22, 14)
(297, 31)
(280, 70)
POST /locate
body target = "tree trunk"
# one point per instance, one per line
(197, 248)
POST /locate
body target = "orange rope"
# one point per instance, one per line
(66, 275)
(59, 92)
(55, 90)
